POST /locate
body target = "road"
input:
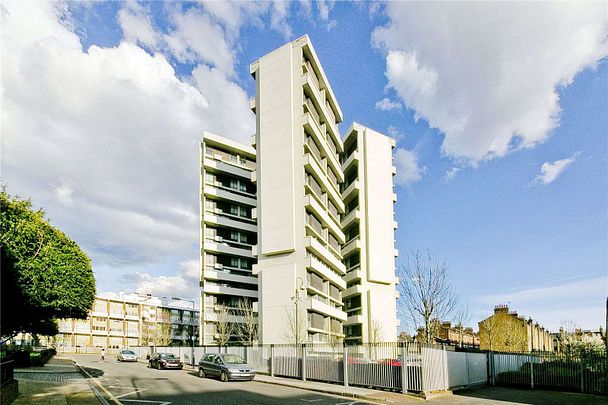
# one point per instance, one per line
(136, 384)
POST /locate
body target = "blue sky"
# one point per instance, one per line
(500, 123)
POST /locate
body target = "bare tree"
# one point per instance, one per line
(461, 318)
(223, 327)
(296, 327)
(247, 330)
(336, 342)
(375, 337)
(426, 292)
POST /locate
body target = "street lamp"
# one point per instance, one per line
(191, 326)
(296, 301)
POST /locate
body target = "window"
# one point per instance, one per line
(234, 262)
(234, 235)
(234, 209)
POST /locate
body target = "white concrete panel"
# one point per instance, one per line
(379, 207)
(275, 154)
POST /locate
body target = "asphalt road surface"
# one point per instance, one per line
(136, 384)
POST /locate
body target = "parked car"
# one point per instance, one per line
(225, 366)
(391, 362)
(165, 361)
(126, 355)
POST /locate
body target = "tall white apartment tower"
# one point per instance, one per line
(228, 234)
(299, 204)
(369, 227)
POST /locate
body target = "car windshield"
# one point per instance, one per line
(167, 356)
(127, 352)
(233, 359)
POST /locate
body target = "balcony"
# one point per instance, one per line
(318, 306)
(313, 205)
(218, 190)
(315, 246)
(354, 157)
(119, 315)
(313, 167)
(239, 292)
(221, 220)
(353, 275)
(353, 244)
(321, 107)
(229, 158)
(226, 167)
(354, 290)
(354, 215)
(224, 248)
(316, 265)
(223, 276)
(317, 131)
(352, 187)
(354, 320)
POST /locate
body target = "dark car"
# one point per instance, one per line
(165, 361)
(225, 366)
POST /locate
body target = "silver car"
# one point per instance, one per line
(126, 355)
(225, 366)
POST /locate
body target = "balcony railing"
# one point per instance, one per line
(316, 188)
(313, 111)
(333, 211)
(315, 224)
(317, 282)
(332, 178)
(230, 158)
(314, 149)
(333, 242)
(312, 74)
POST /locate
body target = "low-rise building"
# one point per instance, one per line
(453, 335)
(507, 331)
(121, 320)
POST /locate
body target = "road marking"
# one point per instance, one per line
(116, 401)
(133, 392)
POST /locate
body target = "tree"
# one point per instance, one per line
(296, 327)
(45, 275)
(164, 335)
(461, 318)
(223, 327)
(247, 330)
(426, 293)
(375, 337)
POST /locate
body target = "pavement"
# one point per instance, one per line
(57, 383)
(92, 381)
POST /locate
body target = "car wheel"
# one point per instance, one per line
(201, 373)
(223, 376)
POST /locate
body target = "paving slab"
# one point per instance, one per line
(57, 383)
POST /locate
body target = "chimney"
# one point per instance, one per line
(501, 309)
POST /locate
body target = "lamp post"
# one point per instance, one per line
(296, 301)
(191, 326)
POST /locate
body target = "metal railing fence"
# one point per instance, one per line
(585, 372)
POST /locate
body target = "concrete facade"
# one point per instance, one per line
(228, 234)
(369, 227)
(122, 320)
(298, 175)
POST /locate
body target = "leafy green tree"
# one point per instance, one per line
(45, 275)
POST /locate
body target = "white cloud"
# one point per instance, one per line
(107, 140)
(408, 170)
(487, 75)
(278, 18)
(550, 171)
(387, 105)
(450, 174)
(580, 301)
(184, 285)
(136, 23)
